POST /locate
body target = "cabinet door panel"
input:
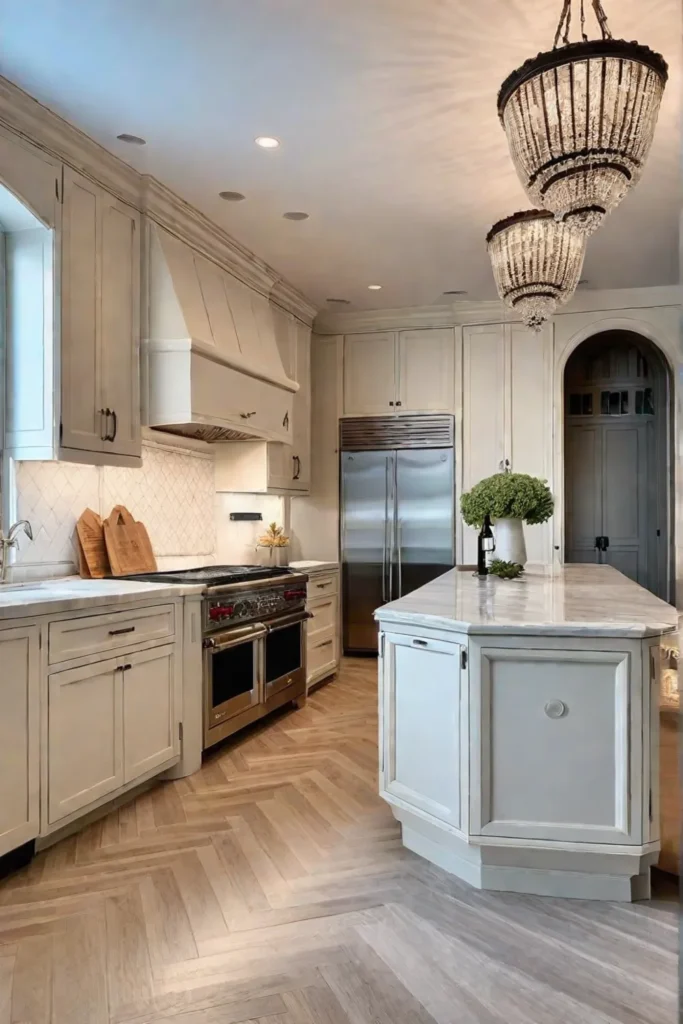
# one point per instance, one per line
(422, 725)
(19, 738)
(483, 403)
(555, 751)
(369, 374)
(85, 748)
(82, 425)
(150, 727)
(530, 446)
(120, 338)
(426, 361)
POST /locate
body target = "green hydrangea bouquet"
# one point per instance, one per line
(508, 496)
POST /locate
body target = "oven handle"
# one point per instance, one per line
(288, 620)
(216, 644)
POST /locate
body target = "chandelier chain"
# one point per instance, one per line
(564, 24)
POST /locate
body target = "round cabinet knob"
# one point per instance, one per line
(556, 709)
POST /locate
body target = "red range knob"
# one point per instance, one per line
(291, 595)
(220, 612)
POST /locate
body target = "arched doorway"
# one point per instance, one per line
(617, 416)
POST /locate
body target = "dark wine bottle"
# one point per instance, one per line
(485, 546)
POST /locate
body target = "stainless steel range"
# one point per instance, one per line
(253, 635)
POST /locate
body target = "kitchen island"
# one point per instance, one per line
(519, 726)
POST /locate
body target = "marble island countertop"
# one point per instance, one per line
(571, 600)
(71, 593)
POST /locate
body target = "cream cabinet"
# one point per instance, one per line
(507, 390)
(422, 748)
(100, 324)
(267, 466)
(322, 628)
(19, 737)
(404, 371)
(73, 318)
(85, 736)
(150, 722)
(114, 699)
(519, 760)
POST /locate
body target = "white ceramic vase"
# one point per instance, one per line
(509, 536)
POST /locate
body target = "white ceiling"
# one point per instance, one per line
(387, 114)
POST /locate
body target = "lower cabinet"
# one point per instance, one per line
(422, 724)
(108, 724)
(322, 629)
(19, 737)
(85, 736)
(150, 728)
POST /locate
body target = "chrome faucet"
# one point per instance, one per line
(12, 541)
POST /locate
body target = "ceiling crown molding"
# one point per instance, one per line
(451, 315)
(167, 209)
(29, 119)
(287, 297)
(37, 124)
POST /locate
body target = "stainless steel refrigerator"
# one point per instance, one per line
(397, 514)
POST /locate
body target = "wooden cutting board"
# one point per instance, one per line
(93, 557)
(128, 546)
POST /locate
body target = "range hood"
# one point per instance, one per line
(214, 368)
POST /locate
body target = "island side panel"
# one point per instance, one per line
(557, 741)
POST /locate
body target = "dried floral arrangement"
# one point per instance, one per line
(274, 537)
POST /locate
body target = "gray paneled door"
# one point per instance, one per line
(607, 496)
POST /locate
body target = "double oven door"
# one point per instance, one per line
(247, 666)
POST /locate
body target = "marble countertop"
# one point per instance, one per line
(74, 594)
(571, 600)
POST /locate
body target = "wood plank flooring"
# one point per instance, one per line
(272, 887)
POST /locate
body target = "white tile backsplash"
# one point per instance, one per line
(173, 494)
(236, 541)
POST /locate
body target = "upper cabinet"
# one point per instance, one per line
(73, 316)
(404, 371)
(369, 374)
(507, 410)
(268, 466)
(100, 324)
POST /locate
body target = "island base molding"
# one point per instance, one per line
(538, 871)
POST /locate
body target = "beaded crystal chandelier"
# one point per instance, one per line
(537, 263)
(580, 120)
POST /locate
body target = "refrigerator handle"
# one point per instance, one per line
(386, 525)
(394, 506)
(398, 554)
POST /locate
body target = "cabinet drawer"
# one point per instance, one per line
(323, 614)
(321, 655)
(322, 586)
(96, 634)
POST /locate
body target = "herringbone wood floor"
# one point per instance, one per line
(272, 887)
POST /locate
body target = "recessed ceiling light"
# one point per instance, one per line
(455, 291)
(296, 215)
(340, 302)
(132, 140)
(232, 197)
(267, 142)
(375, 287)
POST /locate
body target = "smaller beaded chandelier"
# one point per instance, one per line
(537, 263)
(580, 120)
